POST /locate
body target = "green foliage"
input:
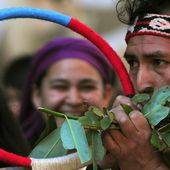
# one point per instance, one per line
(50, 146)
(105, 123)
(156, 141)
(96, 111)
(84, 132)
(126, 108)
(73, 137)
(93, 119)
(140, 98)
(99, 150)
(157, 114)
(156, 110)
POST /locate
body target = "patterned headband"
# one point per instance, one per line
(150, 24)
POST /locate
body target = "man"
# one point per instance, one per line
(148, 55)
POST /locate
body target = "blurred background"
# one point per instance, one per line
(25, 36)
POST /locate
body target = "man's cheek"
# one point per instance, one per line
(133, 80)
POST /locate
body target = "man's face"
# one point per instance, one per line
(149, 60)
(68, 85)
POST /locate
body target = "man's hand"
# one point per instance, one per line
(130, 146)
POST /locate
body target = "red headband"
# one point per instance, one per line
(150, 24)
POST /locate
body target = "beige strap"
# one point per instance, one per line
(68, 162)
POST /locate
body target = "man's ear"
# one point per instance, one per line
(109, 91)
(36, 97)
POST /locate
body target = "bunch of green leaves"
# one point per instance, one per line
(80, 133)
(157, 111)
(84, 133)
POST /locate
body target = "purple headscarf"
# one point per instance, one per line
(62, 48)
(54, 51)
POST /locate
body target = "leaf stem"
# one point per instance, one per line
(62, 115)
(58, 114)
(91, 127)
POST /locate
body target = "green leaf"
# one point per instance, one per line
(155, 110)
(111, 116)
(99, 150)
(73, 136)
(140, 98)
(84, 120)
(90, 121)
(165, 128)
(164, 133)
(166, 138)
(94, 119)
(126, 108)
(156, 141)
(160, 97)
(51, 146)
(90, 135)
(105, 123)
(96, 111)
(157, 114)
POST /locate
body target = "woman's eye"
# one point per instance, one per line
(60, 87)
(87, 88)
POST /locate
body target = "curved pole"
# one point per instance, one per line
(75, 25)
(80, 28)
(67, 162)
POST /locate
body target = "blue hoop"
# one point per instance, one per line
(24, 12)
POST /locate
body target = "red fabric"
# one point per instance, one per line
(111, 55)
(143, 23)
(13, 159)
(130, 35)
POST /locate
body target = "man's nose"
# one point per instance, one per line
(74, 96)
(145, 80)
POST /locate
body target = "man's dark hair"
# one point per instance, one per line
(16, 71)
(128, 10)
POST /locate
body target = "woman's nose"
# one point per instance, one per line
(74, 96)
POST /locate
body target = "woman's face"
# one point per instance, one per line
(68, 85)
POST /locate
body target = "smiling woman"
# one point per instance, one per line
(78, 27)
(66, 75)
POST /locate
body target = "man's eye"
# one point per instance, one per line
(158, 62)
(132, 63)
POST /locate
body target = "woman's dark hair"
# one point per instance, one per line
(128, 10)
(11, 138)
